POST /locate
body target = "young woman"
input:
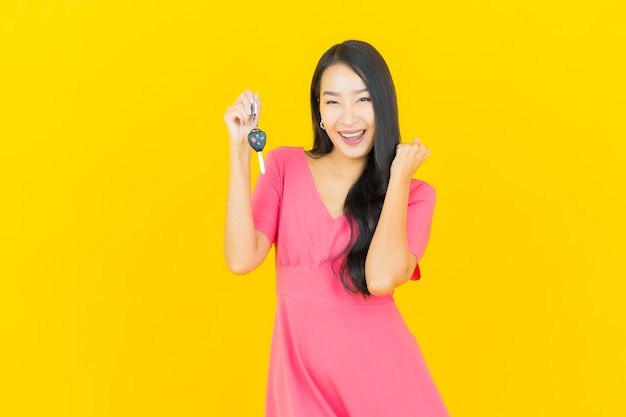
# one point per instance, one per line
(349, 224)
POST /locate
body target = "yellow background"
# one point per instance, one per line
(114, 297)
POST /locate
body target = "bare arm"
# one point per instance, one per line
(389, 262)
(244, 247)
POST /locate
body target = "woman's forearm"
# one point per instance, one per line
(389, 262)
(244, 248)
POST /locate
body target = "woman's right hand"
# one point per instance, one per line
(238, 117)
(409, 157)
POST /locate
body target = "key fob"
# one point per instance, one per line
(256, 139)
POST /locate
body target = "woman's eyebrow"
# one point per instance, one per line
(332, 93)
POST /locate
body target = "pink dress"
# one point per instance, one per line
(335, 354)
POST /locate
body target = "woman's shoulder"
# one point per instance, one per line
(283, 159)
(284, 156)
(421, 190)
(286, 151)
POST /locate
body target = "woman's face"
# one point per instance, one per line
(347, 111)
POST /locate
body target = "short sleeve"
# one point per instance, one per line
(419, 219)
(267, 195)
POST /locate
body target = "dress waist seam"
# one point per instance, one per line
(336, 302)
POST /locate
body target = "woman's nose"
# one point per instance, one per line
(348, 115)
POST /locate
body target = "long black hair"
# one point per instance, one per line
(365, 198)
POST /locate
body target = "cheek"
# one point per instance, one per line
(329, 115)
(366, 114)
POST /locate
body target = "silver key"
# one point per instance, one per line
(257, 137)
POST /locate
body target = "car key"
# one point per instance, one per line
(256, 137)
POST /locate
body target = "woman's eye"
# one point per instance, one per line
(365, 99)
(331, 102)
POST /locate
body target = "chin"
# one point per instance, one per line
(354, 151)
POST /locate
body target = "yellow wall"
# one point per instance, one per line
(114, 297)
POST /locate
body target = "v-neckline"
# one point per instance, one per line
(316, 191)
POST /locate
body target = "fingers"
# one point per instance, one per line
(411, 155)
(245, 99)
(236, 113)
(415, 145)
(241, 109)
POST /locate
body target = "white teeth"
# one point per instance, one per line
(352, 135)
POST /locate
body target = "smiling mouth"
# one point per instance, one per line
(353, 135)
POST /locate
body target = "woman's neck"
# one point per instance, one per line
(342, 166)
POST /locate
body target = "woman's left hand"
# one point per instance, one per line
(409, 157)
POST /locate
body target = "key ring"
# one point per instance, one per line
(257, 137)
(255, 112)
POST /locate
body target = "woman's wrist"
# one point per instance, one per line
(241, 149)
(240, 156)
(397, 180)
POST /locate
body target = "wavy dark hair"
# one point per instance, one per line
(365, 198)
